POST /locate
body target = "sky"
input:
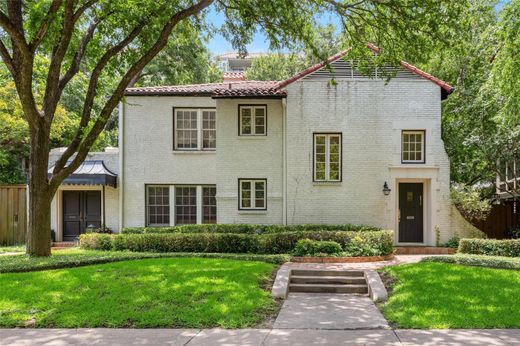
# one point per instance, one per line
(218, 44)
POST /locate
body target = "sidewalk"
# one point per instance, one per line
(257, 337)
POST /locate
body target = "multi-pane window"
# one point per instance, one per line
(253, 120)
(252, 193)
(195, 129)
(209, 129)
(158, 205)
(413, 146)
(185, 205)
(327, 157)
(209, 204)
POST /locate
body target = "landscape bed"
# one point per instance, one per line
(163, 292)
(274, 240)
(441, 295)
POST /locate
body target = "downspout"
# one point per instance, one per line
(284, 160)
(121, 163)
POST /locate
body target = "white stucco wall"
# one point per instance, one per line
(146, 134)
(248, 157)
(370, 114)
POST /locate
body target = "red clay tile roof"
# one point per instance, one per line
(243, 88)
(234, 76)
(225, 89)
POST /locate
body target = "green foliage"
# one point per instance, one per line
(308, 247)
(368, 243)
(481, 126)
(152, 293)
(247, 228)
(490, 247)
(470, 203)
(96, 241)
(453, 242)
(70, 258)
(477, 261)
(443, 296)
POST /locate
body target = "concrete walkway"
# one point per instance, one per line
(257, 337)
(329, 311)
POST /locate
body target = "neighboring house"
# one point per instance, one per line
(305, 150)
(233, 62)
(508, 183)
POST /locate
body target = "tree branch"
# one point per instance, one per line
(7, 58)
(137, 67)
(40, 34)
(15, 34)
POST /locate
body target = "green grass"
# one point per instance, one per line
(78, 257)
(166, 292)
(14, 248)
(439, 295)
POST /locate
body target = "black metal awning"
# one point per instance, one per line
(92, 172)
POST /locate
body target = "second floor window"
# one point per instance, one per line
(252, 120)
(327, 157)
(195, 129)
(412, 147)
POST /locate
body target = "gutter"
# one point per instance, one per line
(121, 162)
(284, 161)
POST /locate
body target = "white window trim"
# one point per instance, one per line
(423, 136)
(253, 194)
(327, 156)
(253, 120)
(147, 206)
(199, 128)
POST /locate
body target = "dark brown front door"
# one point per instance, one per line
(81, 209)
(410, 212)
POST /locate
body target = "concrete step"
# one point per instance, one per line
(317, 272)
(328, 280)
(324, 288)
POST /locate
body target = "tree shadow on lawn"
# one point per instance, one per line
(435, 295)
(176, 292)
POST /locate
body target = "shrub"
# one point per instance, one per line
(368, 243)
(490, 247)
(453, 242)
(96, 241)
(246, 228)
(477, 261)
(307, 247)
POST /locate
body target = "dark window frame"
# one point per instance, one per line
(202, 203)
(252, 191)
(340, 157)
(240, 134)
(199, 118)
(146, 217)
(419, 162)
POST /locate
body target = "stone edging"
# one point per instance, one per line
(342, 259)
(376, 289)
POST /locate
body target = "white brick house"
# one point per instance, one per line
(306, 150)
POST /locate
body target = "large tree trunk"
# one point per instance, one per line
(40, 196)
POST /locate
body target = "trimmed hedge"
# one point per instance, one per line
(246, 228)
(477, 261)
(490, 247)
(307, 247)
(71, 258)
(367, 243)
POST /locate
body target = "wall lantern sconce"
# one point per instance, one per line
(386, 189)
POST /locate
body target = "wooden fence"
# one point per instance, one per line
(501, 220)
(13, 214)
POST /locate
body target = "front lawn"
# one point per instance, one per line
(14, 248)
(166, 292)
(438, 295)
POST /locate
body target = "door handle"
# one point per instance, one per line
(399, 215)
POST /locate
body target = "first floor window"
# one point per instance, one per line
(209, 204)
(413, 146)
(252, 193)
(158, 205)
(253, 120)
(327, 157)
(195, 129)
(185, 205)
